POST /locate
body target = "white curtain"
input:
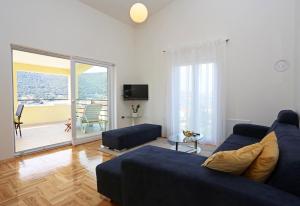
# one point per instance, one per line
(196, 93)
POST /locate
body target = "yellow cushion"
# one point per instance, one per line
(265, 163)
(235, 161)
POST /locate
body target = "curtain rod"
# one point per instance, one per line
(227, 41)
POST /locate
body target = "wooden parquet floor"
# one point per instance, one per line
(64, 176)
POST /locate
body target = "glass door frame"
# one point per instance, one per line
(39, 52)
(111, 97)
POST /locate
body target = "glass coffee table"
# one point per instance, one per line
(180, 138)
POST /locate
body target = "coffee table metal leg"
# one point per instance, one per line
(198, 149)
(176, 146)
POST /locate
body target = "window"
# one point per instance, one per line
(195, 97)
(92, 84)
(197, 91)
(40, 88)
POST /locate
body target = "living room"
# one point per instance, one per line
(238, 65)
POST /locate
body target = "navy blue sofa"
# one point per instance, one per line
(154, 176)
(128, 137)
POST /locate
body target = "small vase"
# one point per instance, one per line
(135, 114)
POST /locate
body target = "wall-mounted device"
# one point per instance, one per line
(281, 65)
(135, 92)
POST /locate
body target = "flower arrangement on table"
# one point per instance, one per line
(135, 110)
(189, 134)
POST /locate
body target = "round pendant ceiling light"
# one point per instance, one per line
(138, 13)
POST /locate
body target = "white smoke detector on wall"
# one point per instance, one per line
(281, 65)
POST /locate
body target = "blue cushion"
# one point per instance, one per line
(129, 137)
(234, 142)
(286, 175)
(109, 175)
(288, 117)
(250, 130)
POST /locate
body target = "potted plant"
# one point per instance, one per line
(135, 110)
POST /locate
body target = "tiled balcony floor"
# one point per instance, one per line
(42, 135)
(49, 134)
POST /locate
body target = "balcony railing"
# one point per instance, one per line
(80, 104)
(41, 101)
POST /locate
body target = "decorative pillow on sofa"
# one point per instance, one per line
(234, 161)
(263, 166)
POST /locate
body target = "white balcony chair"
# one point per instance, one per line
(90, 116)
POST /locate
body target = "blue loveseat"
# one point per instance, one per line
(152, 176)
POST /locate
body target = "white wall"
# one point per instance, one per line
(65, 27)
(260, 32)
(297, 52)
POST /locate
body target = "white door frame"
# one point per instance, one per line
(111, 97)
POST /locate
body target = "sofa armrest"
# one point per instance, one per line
(250, 130)
(150, 179)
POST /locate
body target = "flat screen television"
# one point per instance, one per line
(135, 92)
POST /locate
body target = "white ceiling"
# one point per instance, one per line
(41, 60)
(119, 9)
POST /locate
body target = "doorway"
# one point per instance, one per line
(59, 100)
(92, 99)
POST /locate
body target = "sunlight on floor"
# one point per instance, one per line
(42, 135)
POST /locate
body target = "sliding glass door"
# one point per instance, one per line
(41, 99)
(91, 99)
(59, 99)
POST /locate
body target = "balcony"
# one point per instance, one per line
(43, 85)
(44, 122)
